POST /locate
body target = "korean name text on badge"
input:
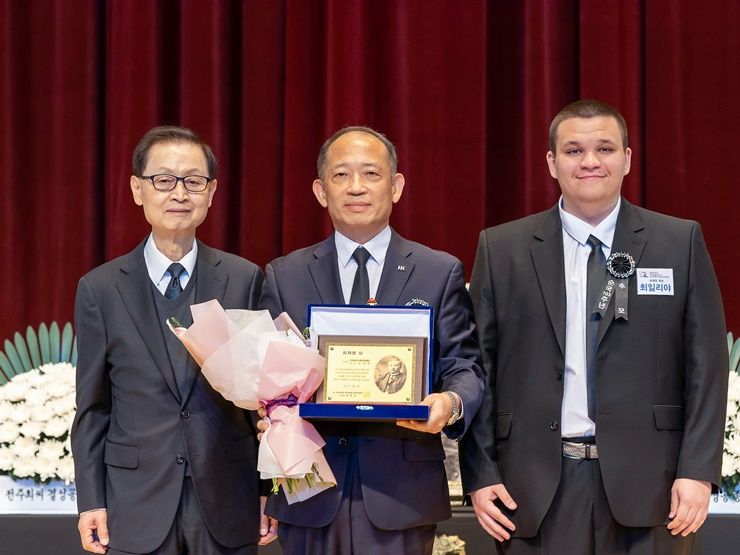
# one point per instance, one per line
(655, 281)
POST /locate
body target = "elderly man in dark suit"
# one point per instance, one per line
(391, 486)
(163, 463)
(603, 336)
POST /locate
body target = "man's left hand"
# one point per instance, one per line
(268, 525)
(439, 413)
(263, 423)
(689, 505)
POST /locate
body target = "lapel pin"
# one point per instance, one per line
(401, 268)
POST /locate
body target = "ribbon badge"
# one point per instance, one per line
(620, 266)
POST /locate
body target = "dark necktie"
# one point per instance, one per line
(361, 285)
(174, 288)
(596, 272)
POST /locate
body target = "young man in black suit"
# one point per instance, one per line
(603, 336)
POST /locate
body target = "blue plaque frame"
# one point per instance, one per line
(371, 411)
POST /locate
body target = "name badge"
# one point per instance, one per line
(654, 281)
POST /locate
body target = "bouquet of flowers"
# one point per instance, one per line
(36, 412)
(731, 455)
(254, 361)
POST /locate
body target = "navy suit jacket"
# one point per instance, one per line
(134, 431)
(402, 471)
(661, 374)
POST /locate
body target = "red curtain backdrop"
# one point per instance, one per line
(466, 90)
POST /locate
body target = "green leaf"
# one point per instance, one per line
(44, 343)
(67, 337)
(20, 346)
(33, 346)
(54, 342)
(15, 360)
(73, 358)
(729, 341)
(7, 368)
(735, 356)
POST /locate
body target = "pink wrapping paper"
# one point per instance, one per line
(253, 361)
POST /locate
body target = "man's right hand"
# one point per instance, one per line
(93, 527)
(490, 517)
(263, 423)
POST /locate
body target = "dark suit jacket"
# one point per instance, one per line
(133, 429)
(661, 375)
(402, 472)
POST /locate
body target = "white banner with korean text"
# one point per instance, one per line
(28, 497)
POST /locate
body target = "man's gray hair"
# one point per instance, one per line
(392, 157)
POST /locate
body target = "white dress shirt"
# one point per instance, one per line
(377, 247)
(574, 417)
(157, 264)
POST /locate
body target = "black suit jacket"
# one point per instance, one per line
(661, 375)
(133, 429)
(402, 472)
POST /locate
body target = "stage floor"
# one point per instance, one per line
(57, 534)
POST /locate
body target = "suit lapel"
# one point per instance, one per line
(547, 256)
(211, 281)
(135, 290)
(397, 270)
(325, 272)
(626, 239)
(210, 284)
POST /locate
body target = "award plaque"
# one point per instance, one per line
(366, 369)
(378, 362)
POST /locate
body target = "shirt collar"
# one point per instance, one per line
(377, 247)
(157, 263)
(580, 230)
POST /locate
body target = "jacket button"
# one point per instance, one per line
(185, 413)
(180, 459)
(558, 375)
(554, 426)
(342, 442)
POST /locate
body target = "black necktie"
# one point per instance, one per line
(361, 285)
(596, 272)
(174, 288)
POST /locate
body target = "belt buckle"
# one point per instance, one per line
(579, 451)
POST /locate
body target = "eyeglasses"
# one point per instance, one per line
(166, 182)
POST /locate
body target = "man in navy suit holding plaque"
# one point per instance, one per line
(602, 333)
(391, 484)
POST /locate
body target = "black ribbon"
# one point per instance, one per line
(620, 299)
(621, 266)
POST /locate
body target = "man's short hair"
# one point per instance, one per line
(586, 109)
(392, 157)
(170, 134)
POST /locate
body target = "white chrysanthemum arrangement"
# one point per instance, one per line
(731, 458)
(36, 412)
